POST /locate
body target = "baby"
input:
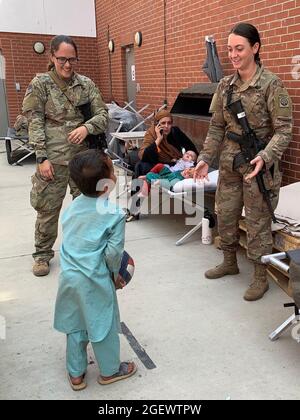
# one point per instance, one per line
(187, 161)
(165, 176)
(164, 171)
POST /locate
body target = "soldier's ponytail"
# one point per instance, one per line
(54, 46)
(50, 65)
(257, 58)
(246, 30)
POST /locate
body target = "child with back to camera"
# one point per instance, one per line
(86, 307)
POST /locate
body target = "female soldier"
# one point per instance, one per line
(269, 112)
(57, 129)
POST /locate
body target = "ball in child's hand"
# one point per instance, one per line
(126, 270)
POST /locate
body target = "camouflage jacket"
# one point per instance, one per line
(21, 126)
(52, 115)
(269, 112)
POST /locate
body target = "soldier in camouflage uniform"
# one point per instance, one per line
(57, 131)
(21, 126)
(269, 112)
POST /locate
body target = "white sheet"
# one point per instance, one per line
(288, 209)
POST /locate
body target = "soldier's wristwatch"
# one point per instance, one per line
(41, 159)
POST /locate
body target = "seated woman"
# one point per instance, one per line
(163, 143)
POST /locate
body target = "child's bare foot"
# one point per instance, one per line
(126, 370)
(77, 380)
(77, 383)
(144, 190)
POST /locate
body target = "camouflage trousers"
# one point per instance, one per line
(46, 197)
(232, 194)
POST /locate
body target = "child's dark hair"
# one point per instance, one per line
(87, 168)
(246, 30)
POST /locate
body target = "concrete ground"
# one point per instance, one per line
(205, 340)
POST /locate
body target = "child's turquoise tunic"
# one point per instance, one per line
(91, 250)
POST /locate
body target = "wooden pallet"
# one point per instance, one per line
(281, 242)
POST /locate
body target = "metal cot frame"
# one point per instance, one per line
(276, 261)
(22, 150)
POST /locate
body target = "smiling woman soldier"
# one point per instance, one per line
(57, 130)
(268, 109)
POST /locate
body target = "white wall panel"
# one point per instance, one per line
(51, 17)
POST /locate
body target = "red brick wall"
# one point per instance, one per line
(187, 23)
(22, 63)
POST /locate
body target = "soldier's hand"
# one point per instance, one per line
(78, 135)
(259, 163)
(201, 171)
(46, 170)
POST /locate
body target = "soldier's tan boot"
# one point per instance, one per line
(228, 267)
(260, 285)
(40, 268)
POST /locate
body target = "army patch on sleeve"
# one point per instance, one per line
(29, 90)
(284, 101)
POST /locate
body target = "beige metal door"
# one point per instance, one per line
(130, 74)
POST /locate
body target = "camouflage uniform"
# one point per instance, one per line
(21, 126)
(52, 115)
(269, 111)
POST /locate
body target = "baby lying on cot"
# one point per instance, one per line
(188, 160)
(166, 175)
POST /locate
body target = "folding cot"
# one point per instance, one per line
(192, 194)
(280, 261)
(17, 147)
